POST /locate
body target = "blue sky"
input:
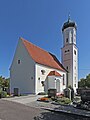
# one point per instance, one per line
(40, 22)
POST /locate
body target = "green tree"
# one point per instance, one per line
(1, 81)
(4, 82)
(84, 82)
(88, 80)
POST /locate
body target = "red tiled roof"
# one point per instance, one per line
(41, 56)
(55, 73)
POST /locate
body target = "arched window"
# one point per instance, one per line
(63, 79)
(19, 61)
(43, 72)
(66, 40)
(67, 67)
(75, 52)
(42, 82)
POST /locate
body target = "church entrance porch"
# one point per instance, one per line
(54, 81)
(57, 84)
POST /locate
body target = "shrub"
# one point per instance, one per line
(63, 100)
(3, 94)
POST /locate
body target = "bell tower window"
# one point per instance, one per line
(75, 52)
(63, 79)
(19, 61)
(67, 67)
(66, 40)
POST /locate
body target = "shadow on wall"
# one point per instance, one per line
(58, 116)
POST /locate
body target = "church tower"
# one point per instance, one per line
(70, 53)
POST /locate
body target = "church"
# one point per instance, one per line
(34, 70)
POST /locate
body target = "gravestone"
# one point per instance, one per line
(67, 93)
(52, 92)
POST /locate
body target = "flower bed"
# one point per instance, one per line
(59, 100)
(59, 94)
(63, 100)
(43, 99)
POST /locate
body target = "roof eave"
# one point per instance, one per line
(64, 70)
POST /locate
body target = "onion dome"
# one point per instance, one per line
(69, 23)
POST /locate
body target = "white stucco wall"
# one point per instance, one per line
(39, 77)
(51, 82)
(55, 82)
(22, 75)
(67, 61)
(69, 33)
(75, 68)
(71, 60)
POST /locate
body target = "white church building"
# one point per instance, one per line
(34, 70)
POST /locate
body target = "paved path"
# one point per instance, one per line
(32, 103)
(16, 111)
(24, 99)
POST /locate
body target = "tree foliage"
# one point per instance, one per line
(4, 82)
(84, 82)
